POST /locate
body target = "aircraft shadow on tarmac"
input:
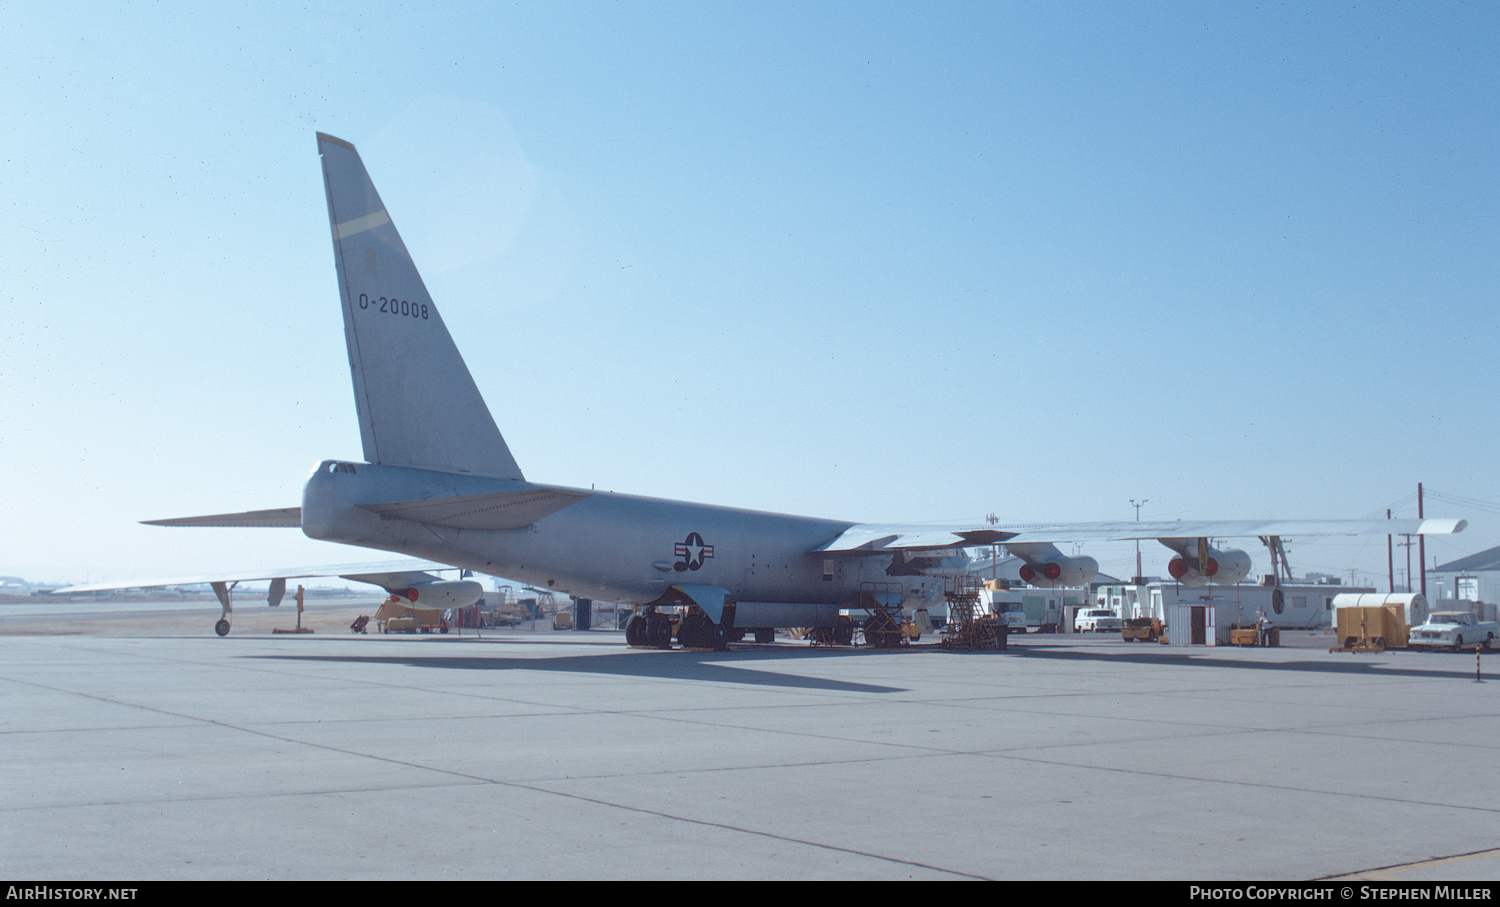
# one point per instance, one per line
(676, 665)
(733, 666)
(1198, 660)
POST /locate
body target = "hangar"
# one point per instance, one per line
(1475, 578)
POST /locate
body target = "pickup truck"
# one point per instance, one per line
(1452, 630)
(1096, 620)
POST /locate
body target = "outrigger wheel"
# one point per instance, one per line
(224, 592)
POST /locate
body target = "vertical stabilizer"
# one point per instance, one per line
(417, 403)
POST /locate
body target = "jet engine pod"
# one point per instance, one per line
(1234, 565)
(1180, 571)
(1060, 571)
(443, 594)
(1223, 567)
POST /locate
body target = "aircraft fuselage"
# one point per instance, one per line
(609, 546)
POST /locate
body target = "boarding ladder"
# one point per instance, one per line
(882, 629)
(966, 627)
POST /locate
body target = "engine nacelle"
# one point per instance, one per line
(1223, 567)
(1060, 571)
(440, 595)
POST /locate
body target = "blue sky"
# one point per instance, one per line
(864, 261)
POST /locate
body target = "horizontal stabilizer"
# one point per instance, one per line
(502, 510)
(280, 518)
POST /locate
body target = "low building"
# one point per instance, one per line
(1206, 614)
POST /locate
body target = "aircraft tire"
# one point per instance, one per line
(690, 634)
(658, 632)
(635, 631)
(843, 633)
(222, 627)
(764, 635)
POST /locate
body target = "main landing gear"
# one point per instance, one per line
(841, 634)
(650, 629)
(698, 632)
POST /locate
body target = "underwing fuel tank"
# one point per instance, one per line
(443, 594)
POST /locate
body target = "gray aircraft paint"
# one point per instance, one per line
(429, 437)
(417, 403)
(441, 484)
(604, 545)
(427, 434)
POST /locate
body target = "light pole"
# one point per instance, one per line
(1138, 505)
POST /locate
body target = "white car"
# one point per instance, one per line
(1452, 630)
(1097, 620)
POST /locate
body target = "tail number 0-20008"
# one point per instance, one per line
(398, 307)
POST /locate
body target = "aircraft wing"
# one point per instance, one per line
(403, 573)
(873, 538)
(409, 578)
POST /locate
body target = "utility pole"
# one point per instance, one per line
(1421, 543)
(1390, 562)
(1407, 575)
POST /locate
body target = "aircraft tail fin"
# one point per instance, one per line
(418, 405)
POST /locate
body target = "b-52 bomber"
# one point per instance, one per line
(439, 483)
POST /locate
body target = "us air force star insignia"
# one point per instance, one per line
(692, 552)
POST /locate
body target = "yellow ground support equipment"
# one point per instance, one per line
(1241, 635)
(301, 593)
(1141, 629)
(1250, 636)
(1370, 629)
(397, 618)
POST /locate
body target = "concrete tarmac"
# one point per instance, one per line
(173, 754)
